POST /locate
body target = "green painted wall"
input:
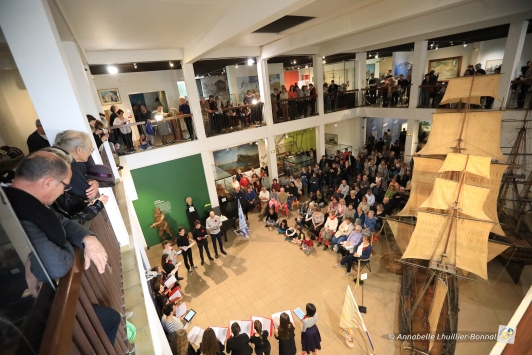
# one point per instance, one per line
(304, 139)
(171, 181)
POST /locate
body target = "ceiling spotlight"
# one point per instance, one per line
(306, 66)
(465, 44)
(437, 47)
(323, 62)
(112, 70)
(297, 68)
(250, 61)
(377, 55)
(323, 57)
(295, 61)
(335, 125)
(171, 64)
(286, 135)
(432, 45)
(451, 43)
(370, 55)
(236, 66)
(135, 65)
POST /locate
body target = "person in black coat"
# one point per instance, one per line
(200, 235)
(37, 140)
(238, 344)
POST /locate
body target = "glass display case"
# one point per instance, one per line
(224, 179)
(331, 149)
(292, 165)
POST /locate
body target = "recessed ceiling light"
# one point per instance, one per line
(377, 55)
(135, 65)
(112, 70)
(324, 62)
(171, 64)
(250, 61)
(465, 44)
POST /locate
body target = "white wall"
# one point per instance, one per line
(349, 65)
(277, 68)
(347, 132)
(17, 114)
(490, 50)
(133, 83)
(233, 73)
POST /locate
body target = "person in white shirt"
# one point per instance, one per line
(328, 230)
(344, 188)
(125, 131)
(213, 225)
(264, 197)
(370, 197)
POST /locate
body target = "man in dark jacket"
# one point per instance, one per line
(200, 235)
(37, 140)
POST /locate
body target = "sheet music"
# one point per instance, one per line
(170, 281)
(175, 295)
(195, 335)
(245, 326)
(276, 317)
(189, 246)
(182, 309)
(266, 324)
(221, 333)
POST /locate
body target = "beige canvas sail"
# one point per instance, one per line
(468, 242)
(478, 165)
(495, 249)
(402, 233)
(470, 198)
(440, 294)
(470, 89)
(481, 134)
(422, 182)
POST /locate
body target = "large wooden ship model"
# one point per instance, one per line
(443, 231)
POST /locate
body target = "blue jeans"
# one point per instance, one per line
(337, 240)
(270, 222)
(291, 200)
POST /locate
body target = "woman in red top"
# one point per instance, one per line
(244, 182)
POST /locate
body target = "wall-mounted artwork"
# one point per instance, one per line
(216, 86)
(331, 139)
(338, 75)
(245, 83)
(275, 82)
(448, 68)
(244, 157)
(492, 64)
(370, 68)
(109, 97)
(148, 99)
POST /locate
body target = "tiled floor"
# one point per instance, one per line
(265, 274)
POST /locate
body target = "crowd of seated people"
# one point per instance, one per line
(293, 103)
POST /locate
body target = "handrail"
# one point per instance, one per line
(57, 337)
(340, 92)
(296, 98)
(237, 107)
(168, 118)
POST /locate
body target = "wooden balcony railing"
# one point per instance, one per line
(294, 108)
(72, 326)
(231, 119)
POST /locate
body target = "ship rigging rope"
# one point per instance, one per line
(498, 278)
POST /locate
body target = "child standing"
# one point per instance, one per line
(310, 335)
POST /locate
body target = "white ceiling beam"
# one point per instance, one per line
(246, 17)
(234, 52)
(133, 56)
(447, 22)
(401, 13)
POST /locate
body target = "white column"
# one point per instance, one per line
(317, 66)
(32, 37)
(412, 129)
(419, 59)
(264, 85)
(194, 102)
(360, 75)
(272, 158)
(208, 169)
(94, 91)
(512, 55)
(320, 141)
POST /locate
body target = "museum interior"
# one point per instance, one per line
(358, 174)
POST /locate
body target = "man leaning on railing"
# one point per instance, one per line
(40, 179)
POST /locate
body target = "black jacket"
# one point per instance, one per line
(36, 142)
(200, 233)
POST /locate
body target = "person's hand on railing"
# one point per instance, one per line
(103, 198)
(34, 285)
(92, 191)
(95, 252)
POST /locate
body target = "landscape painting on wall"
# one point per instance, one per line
(492, 64)
(447, 68)
(109, 97)
(245, 83)
(216, 86)
(244, 157)
(370, 68)
(275, 82)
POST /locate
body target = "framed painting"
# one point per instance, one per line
(109, 97)
(492, 64)
(331, 139)
(448, 68)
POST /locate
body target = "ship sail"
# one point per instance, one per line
(440, 294)
(470, 89)
(480, 134)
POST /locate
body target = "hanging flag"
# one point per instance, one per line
(243, 229)
(350, 319)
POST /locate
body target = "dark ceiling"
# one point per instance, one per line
(130, 67)
(283, 24)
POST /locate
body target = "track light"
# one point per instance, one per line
(236, 66)
(370, 55)
(324, 62)
(336, 125)
(465, 44)
(112, 70)
(451, 43)
(171, 64)
(135, 65)
(437, 47)
(377, 55)
(432, 45)
(323, 57)
(250, 61)
(306, 66)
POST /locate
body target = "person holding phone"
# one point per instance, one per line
(183, 242)
(238, 344)
(171, 324)
(310, 335)
(285, 334)
(260, 339)
(200, 235)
